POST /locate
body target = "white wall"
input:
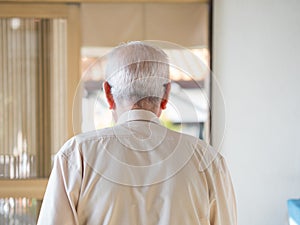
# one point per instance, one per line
(257, 64)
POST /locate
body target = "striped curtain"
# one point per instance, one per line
(33, 73)
(32, 95)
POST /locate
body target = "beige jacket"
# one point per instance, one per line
(138, 173)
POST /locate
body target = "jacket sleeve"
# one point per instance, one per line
(222, 197)
(60, 200)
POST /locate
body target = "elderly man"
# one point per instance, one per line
(138, 172)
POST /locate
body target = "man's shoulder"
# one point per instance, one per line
(94, 135)
(204, 154)
(75, 142)
(201, 151)
(197, 143)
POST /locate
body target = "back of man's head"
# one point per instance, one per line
(137, 72)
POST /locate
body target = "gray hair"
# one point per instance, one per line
(137, 71)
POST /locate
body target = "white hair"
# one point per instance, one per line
(137, 71)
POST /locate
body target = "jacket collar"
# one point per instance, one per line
(138, 115)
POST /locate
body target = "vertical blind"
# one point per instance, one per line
(32, 95)
(18, 134)
(33, 73)
(58, 85)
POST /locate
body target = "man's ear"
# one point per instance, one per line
(109, 97)
(164, 101)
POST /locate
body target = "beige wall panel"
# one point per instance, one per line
(111, 24)
(184, 24)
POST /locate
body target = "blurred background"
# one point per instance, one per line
(234, 70)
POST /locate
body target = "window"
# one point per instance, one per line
(37, 64)
(187, 24)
